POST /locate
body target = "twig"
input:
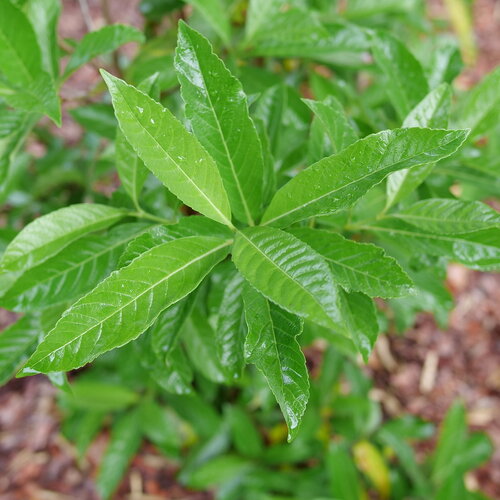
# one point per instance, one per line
(87, 18)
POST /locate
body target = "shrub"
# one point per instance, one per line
(249, 221)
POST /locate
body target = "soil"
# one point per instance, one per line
(422, 372)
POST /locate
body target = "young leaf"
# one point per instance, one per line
(17, 342)
(359, 267)
(130, 168)
(433, 111)
(334, 122)
(123, 445)
(448, 216)
(288, 272)
(337, 181)
(217, 109)
(216, 14)
(73, 271)
(169, 150)
(98, 42)
(27, 85)
(50, 233)
(272, 346)
(125, 304)
(405, 81)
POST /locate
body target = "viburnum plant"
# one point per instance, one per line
(258, 226)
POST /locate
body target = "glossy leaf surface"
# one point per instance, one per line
(337, 181)
(125, 304)
(217, 109)
(288, 272)
(169, 150)
(359, 267)
(272, 346)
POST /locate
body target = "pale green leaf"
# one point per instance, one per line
(125, 304)
(216, 13)
(359, 267)
(448, 216)
(433, 111)
(98, 42)
(73, 271)
(25, 84)
(405, 82)
(337, 181)
(123, 445)
(50, 233)
(173, 154)
(288, 272)
(17, 342)
(95, 395)
(334, 122)
(217, 109)
(272, 346)
(44, 16)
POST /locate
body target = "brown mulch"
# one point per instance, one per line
(421, 372)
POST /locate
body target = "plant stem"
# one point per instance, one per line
(141, 214)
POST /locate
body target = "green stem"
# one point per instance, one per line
(140, 214)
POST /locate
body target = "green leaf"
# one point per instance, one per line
(73, 271)
(480, 108)
(170, 369)
(123, 445)
(405, 82)
(272, 346)
(344, 479)
(433, 111)
(199, 338)
(101, 41)
(169, 150)
(99, 396)
(337, 181)
(125, 304)
(360, 317)
(131, 170)
(215, 12)
(50, 233)
(477, 250)
(25, 85)
(288, 272)
(159, 426)
(17, 342)
(359, 267)
(15, 127)
(44, 16)
(187, 226)
(334, 122)
(230, 329)
(448, 216)
(245, 436)
(217, 109)
(97, 117)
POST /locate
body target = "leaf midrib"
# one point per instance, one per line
(228, 155)
(200, 191)
(137, 297)
(359, 179)
(287, 276)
